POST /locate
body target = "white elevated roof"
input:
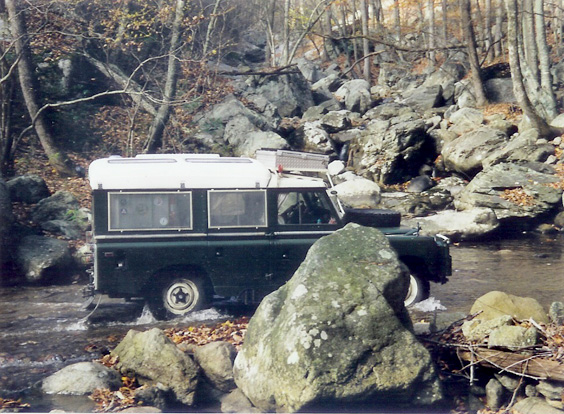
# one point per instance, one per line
(177, 171)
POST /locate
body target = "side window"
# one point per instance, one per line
(304, 207)
(244, 208)
(150, 211)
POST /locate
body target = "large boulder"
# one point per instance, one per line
(391, 151)
(465, 120)
(446, 76)
(323, 89)
(81, 378)
(57, 207)
(28, 189)
(512, 191)
(61, 214)
(212, 123)
(337, 332)
(355, 95)
(417, 204)
(465, 154)
(216, 360)
(290, 94)
(457, 225)
(359, 193)
(425, 97)
(152, 356)
(311, 71)
(500, 90)
(335, 121)
(522, 148)
(315, 137)
(43, 259)
(494, 304)
(246, 138)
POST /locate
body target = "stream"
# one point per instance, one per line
(43, 329)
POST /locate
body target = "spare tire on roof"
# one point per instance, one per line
(373, 217)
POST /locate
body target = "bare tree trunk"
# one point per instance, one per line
(432, 29)
(488, 30)
(529, 43)
(516, 75)
(479, 32)
(365, 43)
(470, 41)
(57, 159)
(548, 99)
(286, 33)
(154, 140)
(498, 35)
(557, 25)
(7, 83)
(327, 50)
(444, 7)
(397, 20)
(211, 27)
(377, 14)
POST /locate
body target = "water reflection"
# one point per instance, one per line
(530, 265)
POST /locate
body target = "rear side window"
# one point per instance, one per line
(150, 211)
(242, 208)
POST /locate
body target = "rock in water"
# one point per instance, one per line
(153, 356)
(337, 332)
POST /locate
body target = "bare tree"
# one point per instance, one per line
(548, 99)
(444, 7)
(529, 110)
(498, 34)
(163, 113)
(529, 38)
(471, 47)
(488, 30)
(365, 42)
(432, 29)
(29, 88)
(397, 20)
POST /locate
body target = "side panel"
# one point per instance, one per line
(126, 268)
(430, 256)
(239, 262)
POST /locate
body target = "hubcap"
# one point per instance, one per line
(181, 297)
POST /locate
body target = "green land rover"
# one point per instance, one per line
(176, 230)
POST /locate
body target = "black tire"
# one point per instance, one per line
(179, 296)
(419, 290)
(373, 217)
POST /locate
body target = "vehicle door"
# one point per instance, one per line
(301, 218)
(239, 253)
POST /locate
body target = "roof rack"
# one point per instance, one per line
(284, 160)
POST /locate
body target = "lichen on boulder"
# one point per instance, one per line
(337, 332)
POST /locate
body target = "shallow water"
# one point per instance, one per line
(43, 329)
(530, 265)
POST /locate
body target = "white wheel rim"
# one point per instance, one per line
(412, 291)
(181, 297)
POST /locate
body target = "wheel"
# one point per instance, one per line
(183, 295)
(179, 296)
(418, 290)
(373, 217)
